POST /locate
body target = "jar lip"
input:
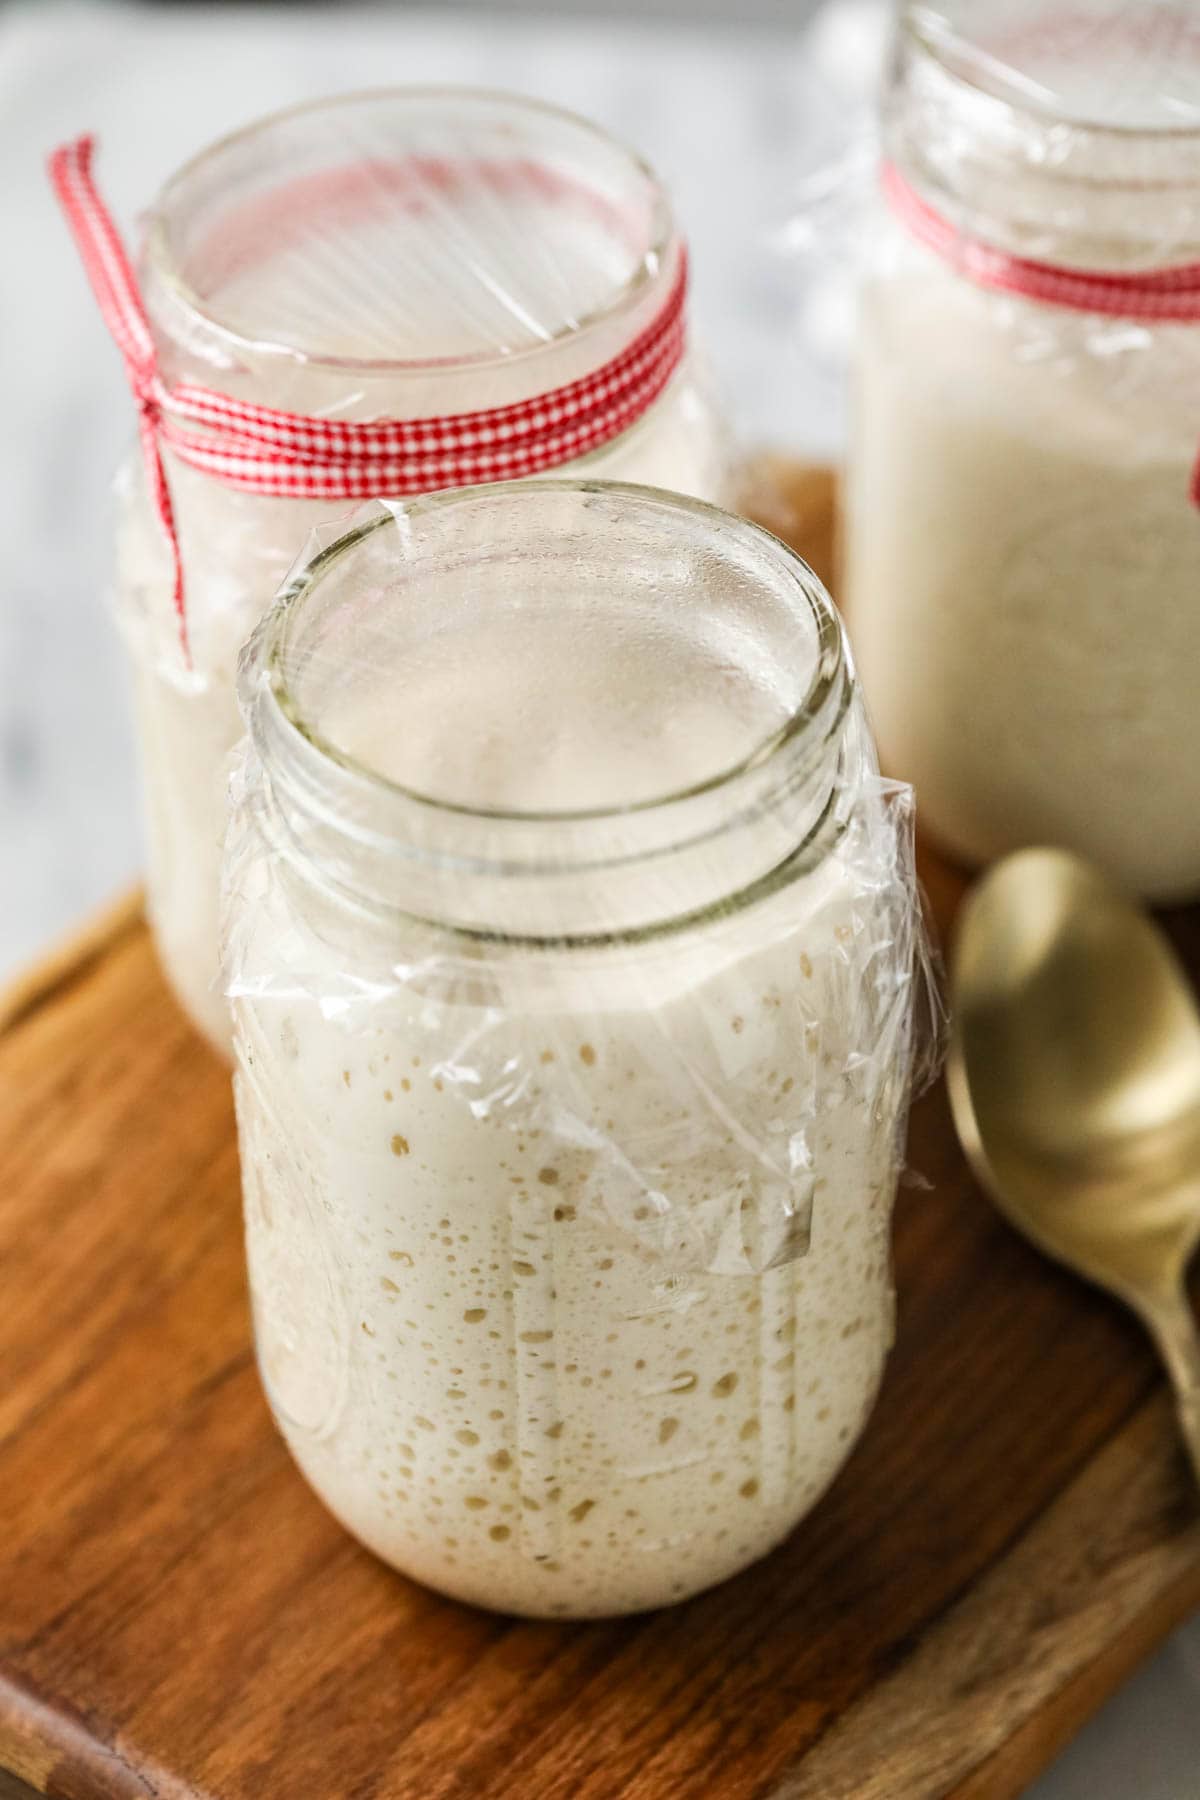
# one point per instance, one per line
(654, 259)
(921, 29)
(829, 686)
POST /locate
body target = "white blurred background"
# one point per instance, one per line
(737, 102)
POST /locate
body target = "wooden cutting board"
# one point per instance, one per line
(180, 1618)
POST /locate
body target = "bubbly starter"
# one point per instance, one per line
(570, 1271)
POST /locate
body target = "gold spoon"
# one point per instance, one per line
(1074, 1077)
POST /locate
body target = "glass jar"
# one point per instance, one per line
(1022, 545)
(405, 255)
(570, 937)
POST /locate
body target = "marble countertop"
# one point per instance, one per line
(733, 116)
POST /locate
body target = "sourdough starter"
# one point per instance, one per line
(1023, 568)
(342, 295)
(570, 1265)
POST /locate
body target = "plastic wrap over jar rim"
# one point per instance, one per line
(629, 864)
(1068, 131)
(351, 196)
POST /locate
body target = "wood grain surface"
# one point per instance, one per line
(180, 1618)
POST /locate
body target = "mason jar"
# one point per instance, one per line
(1022, 535)
(571, 940)
(405, 255)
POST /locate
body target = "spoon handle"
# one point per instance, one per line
(1173, 1328)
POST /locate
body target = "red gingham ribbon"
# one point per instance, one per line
(1151, 296)
(261, 450)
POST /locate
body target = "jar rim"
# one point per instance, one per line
(830, 682)
(617, 872)
(922, 30)
(657, 257)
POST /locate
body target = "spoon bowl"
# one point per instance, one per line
(1074, 1077)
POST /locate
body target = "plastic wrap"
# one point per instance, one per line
(1022, 538)
(401, 255)
(570, 1136)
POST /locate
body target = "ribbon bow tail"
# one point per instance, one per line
(114, 284)
(149, 429)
